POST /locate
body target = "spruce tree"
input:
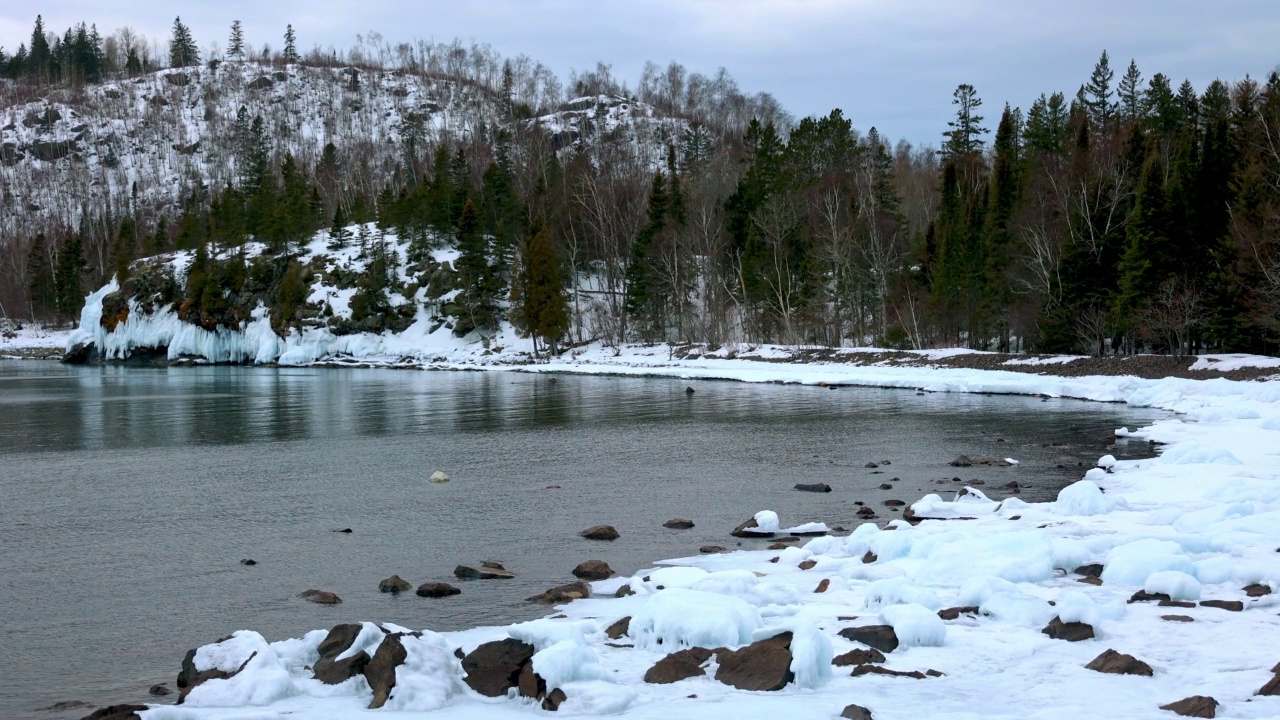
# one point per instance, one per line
(124, 249)
(69, 276)
(290, 45)
(42, 286)
(539, 306)
(643, 301)
(1098, 94)
(477, 304)
(182, 47)
(1132, 97)
(235, 46)
(339, 235)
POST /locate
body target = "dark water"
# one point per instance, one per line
(128, 496)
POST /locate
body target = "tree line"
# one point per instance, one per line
(1132, 215)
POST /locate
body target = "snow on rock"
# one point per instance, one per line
(263, 680)
(1177, 585)
(676, 618)
(811, 651)
(1132, 563)
(915, 625)
(1106, 462)
(430, 676)
(1083, 498)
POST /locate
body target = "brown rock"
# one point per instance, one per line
(808, 564)
(678, 524)
(394, 584)
(1091, 570)
(320, 597)
(619, 628)
(1176, 603)
(1232, 605)
(1119, 664)
(563, 594)
(955, 612)
(880, 637)
(593, 570)
(1273, 686)
(1090, 580)
(381, 670)
(552, 701)
(494, 667)
(600, 532)
(159, 690)
(1144, 596)
(624, 591)
(531, 684)
(116, 712)
(762, 665)
(1177, 618)
(855, 712)
(858, 657)
(778, 546)
(712, 549)
(813, 487)
(894, 503)
(1200, 706)
(481, 572)
(1069, 631)
(335, 672)
(822, 586)
(437, 590)
(869, 557)
(678, 666)
(1257, 590)
(879, 670)
(748, 529)
(189, 678)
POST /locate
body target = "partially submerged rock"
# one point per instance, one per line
(600, 532)
(438, 478)
(394, 584)
(481, 572)
(116, 712)
(563, 593)
(436, 590)
(678, 524)
(320, 597)
(813, 487)
(593, 570)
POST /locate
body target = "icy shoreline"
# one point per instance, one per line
(1199, 522)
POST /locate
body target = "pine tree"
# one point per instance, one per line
(290, 45)
(964, 137)
(1132, 98)
(182, 47)
(69, 277)
(477, 304)
(539, 306)
(1098, 94)
(339, 235)
(235, 46)
(42, 286)
(124, 248)
(39, 56)
(643, 301)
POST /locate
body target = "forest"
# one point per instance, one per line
(1133, 214)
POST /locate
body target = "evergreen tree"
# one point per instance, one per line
(1098, 94)
(643, 299)
(539, 306)
(695, 146)
(1132, 98)
(1047, 128)
(69, 278)
(477, 304)
(42, 286)
(182, 47)
(290, 45)
(124, 248)
(39, 55)
(339, 235)
(964, 137)
(235, 46)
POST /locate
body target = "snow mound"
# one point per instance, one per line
(915, 625)
(430, 676)
(1134, 562)
(1083, 497)
(678, 618)
(1176, 584)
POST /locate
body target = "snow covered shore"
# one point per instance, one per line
(1201, 522)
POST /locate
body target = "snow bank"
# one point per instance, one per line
(677, 618)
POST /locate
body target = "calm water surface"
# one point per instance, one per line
(128, 496)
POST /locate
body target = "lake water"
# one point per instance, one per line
(128, 496)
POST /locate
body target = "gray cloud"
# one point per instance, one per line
(889, 63)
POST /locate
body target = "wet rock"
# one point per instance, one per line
(394, 584)
(563, 594)
(249, 562)
(553, 700)
(858, 657)
(1231, 605)
(885, 486)
(159, 690)
(345, 531)
(822, 586)
(1117, 663)
(1257, 590)
(678, 666)
(619, 629)
(961, 461)
(436, 590)
(381, 670)
(593, 570)
(808, 564)
(480, 572)
(878, 670)
(320, 597)
(712, 549)
(688, 391)
(1176, 603)
(871, 466)
(494, 667)
(762, 665)
(856, 712)
(1200, 706)
(894, 503)
(438, 478)
(600, 532)
(116, 712)
(869, 557)
(678, 524)
(1273, 686)
(328, 669)
(955, 612)
(813, 487)
(1091, 570)
(880, 637)
(747, 529)
(866, 512)
(1177, 618)
(1069, 631)
(778, 546)
(624, 591)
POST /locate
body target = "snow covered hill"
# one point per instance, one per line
(165, 133)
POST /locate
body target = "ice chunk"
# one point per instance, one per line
(1190, 453)
(915, 625)
(429, 677)
(1082, 498)
(1177, 585)
(568, 661)
(1075, 606)
(1214, 570)
(767, 521)
(678, 618)
(900, 591)
(811, 651)
(1132, 563)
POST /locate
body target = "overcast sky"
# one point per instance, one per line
(888, 63)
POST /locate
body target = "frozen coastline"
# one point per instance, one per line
(1201, 522)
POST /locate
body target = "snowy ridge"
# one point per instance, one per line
(1199, 522)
